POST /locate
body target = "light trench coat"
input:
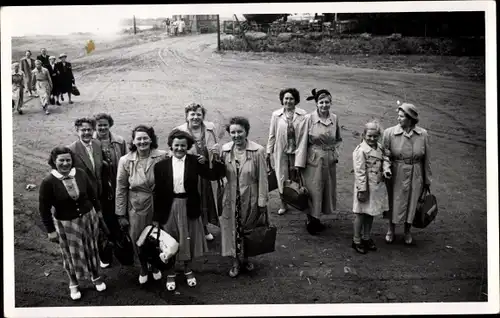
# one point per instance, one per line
(134, 190)
(277, 142)
(369, 165)
(317, 153)
(253, 191)
(410, 159)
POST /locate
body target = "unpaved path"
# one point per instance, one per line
(152, 82)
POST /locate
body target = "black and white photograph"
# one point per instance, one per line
(293, 159)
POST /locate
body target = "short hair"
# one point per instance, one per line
(295, 93)
(148, 130)
(193, 107)
(180, 134)
(238, 120)
(80, 121)
(60, 150)
(38, 62)
(105, 116)
(27, 51)
(375, 122)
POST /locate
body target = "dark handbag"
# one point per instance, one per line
(75, 91)
(150, 252)
(124, 248)
(427, 210)
(220, 196)
(271, 177)
(260, 240)
(295, 193)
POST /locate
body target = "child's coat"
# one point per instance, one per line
(369, 166)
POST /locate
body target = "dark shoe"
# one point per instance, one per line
(20, 112)
(58, 104)
(369, 245)
(358, 247)
(311, 228)
(62, 98)
(70, 102)
(320, 226)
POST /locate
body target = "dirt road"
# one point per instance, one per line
(151, 82)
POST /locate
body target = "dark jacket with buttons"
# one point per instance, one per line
(54, 194)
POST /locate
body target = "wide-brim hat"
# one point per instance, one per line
(62, 54)
(409, 109)
(52, 57)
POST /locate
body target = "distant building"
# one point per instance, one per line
(199, 23)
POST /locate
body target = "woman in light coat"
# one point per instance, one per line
(42, 82)
(203, 132)
(245, 194)
(284, 137)
(318, 154)
(135, 186)
(17, 88)
(407, 146)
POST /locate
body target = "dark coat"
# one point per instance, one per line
(54, 194)
(83, 162)
(55, 79)
(45, 60)
(164, 185)
(66, 78)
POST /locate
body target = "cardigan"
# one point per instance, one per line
(54, 194)
(163, 195)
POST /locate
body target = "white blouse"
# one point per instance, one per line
(178, 169)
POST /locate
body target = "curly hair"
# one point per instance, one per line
(105, 116)
(60, 150)
(80, 121)
(180, 134)
(148, 130)
(193, 107)
(238, 120)
(295, 93)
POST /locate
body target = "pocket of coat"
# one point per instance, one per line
(312, 159)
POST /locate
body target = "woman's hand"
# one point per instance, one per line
(202, 159)
(124, 224)
(363, 196)
(387, 174)
(156, 224)
(53, 237)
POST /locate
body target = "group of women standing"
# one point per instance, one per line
(172, 188)
(44, 76)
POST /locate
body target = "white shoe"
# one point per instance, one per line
(143, 279)
(100, 287)
(281, 211)
(103, 265)
(157, 275)
(209, 237)
(74, 292)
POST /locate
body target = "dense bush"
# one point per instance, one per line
(362, 44)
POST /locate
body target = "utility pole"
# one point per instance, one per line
(218, 33)
(135, 27)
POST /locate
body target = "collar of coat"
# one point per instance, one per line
(298, 111)
(315, 118)
(155, 153)
(112, 138)
(251, 146)
(399, 130)
(206, 124)
(370, 151)
(59, 176)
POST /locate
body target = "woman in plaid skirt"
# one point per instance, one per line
(76, 218)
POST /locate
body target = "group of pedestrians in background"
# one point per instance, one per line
(42, 77)
(97, 180)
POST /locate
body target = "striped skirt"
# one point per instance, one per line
(78, 244)
(188, 232)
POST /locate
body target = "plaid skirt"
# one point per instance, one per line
(78, 244)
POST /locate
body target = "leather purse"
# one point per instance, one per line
(271, 177)
(295, 193)
(260, 240)
(427, 210)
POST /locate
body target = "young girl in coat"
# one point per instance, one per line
(371, 166)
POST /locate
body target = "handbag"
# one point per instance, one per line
(149, 250)
(260, 240)
(295, 193)
(124, 248)
(427, 210)
(75, 91)
(271, 177)
(220, 196)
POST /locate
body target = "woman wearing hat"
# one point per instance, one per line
(42, 82)
(66, 78)
(318, 155)
(51, 67)
(17, 88)
(407, 146)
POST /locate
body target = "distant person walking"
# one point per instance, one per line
(17, 88)
(27, 66)
(182, 26)
(44, 57)
(43, 84)
(66, 79)
(55, 78)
